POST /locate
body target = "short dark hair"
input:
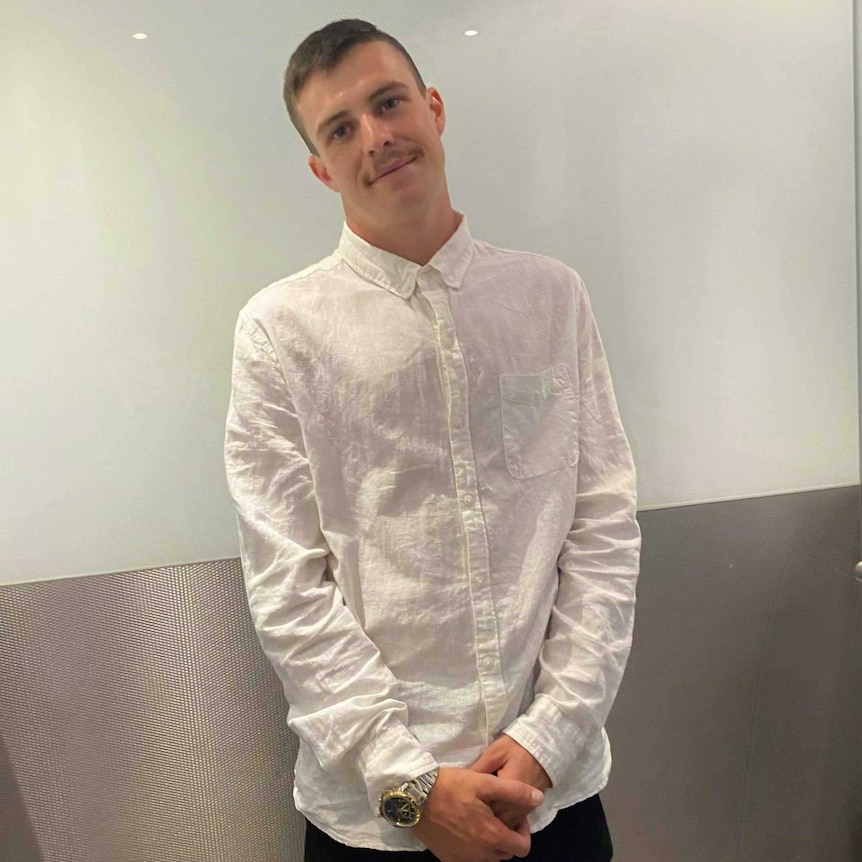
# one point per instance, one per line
(322, 51)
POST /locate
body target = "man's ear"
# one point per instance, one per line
(319, 170)
(435, 102)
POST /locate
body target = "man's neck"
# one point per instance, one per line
(417, 240)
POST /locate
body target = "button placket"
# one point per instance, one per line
(486, 638)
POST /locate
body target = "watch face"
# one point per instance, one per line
(399, 809)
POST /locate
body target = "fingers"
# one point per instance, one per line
(523, 829)
(489, 761)
(511, 815)
(514, 842)
(511, 818)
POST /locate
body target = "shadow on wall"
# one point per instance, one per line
(17, 841)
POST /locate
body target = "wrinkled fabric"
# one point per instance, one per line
(436, 503)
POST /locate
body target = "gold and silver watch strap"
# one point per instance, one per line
(421, 786)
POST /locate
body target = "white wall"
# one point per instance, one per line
(694, 162)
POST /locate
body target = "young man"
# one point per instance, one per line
(436, 501)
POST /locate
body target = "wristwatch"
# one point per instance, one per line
(402, 806)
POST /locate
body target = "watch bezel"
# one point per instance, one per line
(405, 796)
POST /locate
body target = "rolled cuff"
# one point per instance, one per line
(391, 758)
(554, 740)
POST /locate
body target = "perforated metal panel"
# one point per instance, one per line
(142, 723)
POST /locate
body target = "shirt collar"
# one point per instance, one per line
(399, 275)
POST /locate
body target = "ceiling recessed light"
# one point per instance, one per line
(139, 36)
(471, 32)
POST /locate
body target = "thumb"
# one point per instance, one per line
(510, 790)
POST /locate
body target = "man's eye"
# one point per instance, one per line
(336, 136)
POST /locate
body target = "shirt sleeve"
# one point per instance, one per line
(590, 632)
(342, 697)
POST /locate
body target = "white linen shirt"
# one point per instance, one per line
(436, 503)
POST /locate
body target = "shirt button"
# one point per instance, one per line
(468, 499)
(487, 663)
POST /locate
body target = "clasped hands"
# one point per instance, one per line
(479, 814)
(506, 758)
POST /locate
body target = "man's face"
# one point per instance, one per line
(376, 130)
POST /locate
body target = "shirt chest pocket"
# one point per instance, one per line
(540, 422)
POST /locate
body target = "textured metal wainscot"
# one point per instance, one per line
(141, 722)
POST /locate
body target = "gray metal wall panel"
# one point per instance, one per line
(736, 734)
(143, 723)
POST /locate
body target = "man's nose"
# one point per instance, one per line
(376, 133)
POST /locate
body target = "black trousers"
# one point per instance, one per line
(577, 834)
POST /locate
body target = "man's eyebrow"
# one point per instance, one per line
(384, 88)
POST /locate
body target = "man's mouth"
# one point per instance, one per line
(392, 167)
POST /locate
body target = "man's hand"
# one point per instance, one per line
(458, 822)
(507, 759)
